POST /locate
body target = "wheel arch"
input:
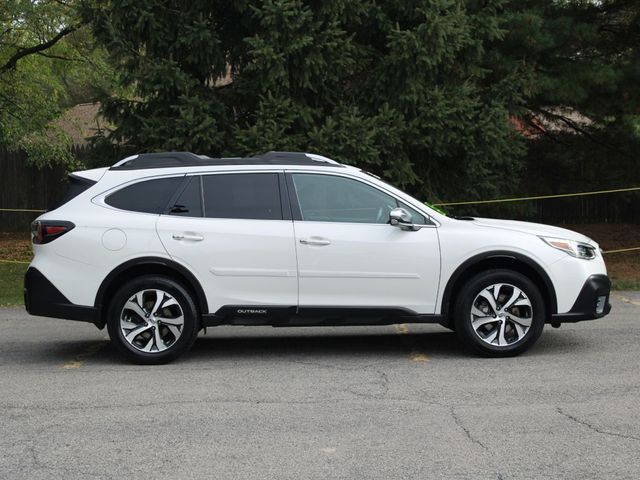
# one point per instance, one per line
(144, 266)
(499, 259)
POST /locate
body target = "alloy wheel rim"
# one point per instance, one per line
(501, 314)
(151, 321)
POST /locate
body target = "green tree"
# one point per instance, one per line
(422, 92)
(579, 54)
(48, 62)
(399, 88)
(582, 82)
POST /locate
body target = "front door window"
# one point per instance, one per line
(330, 198)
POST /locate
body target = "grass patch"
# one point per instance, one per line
(14, 248)
(625, 284)
(11, 283)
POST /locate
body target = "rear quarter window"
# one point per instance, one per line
(77, 185)
(149, 196)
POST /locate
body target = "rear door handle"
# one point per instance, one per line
(192, 237)
(315, 241)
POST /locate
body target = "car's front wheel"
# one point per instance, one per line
(152, 319)
(499, 313)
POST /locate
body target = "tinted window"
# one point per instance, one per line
(77, 185)
(150, 196)
(416, 217)
(327, 198)
(189, 203)
(242, 195)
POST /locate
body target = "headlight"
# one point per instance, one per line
(572, 247)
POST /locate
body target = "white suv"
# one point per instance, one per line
(161, 245)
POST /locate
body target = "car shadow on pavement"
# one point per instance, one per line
(387, 344)
(437, 344)
(430, 344)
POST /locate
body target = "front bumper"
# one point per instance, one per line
(42, 298)
(592, 302)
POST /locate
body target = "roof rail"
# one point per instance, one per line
(301, 157)
(188, 159)
(321, 158)
(155, 160)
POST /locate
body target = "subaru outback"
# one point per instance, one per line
(162, 245)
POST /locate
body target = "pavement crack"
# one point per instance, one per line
(378, 392)
(221, 401)
(31, 449)
(67, 471)
(164, 403)
(384, 382)
(466, 431)
(595, 428)
(472, 439)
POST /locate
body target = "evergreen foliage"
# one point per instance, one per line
(420, 92)
(583, 70)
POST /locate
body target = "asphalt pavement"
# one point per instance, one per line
(396, 402)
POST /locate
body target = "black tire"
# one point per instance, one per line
(463, 319)
(188, 332)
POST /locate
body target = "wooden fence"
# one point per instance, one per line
(623, 207)
(26, 187)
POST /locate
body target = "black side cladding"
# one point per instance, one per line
(42, 298)
(592, 302)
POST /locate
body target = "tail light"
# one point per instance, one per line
(45, 231)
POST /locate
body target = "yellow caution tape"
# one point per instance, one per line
(21, 210)
(620, 250)
(448, 204)
(539, 197)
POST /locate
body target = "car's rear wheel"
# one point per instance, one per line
(152, 319)
(499, 313)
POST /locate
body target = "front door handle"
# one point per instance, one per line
(192, 237)
(315, 241)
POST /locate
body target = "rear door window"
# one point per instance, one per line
(189, 202)
(149, 196)
(243, 196)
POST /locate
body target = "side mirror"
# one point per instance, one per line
(399, 217)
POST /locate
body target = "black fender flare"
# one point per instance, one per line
(164, 263)
(499, 254)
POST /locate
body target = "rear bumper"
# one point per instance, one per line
(42, 298)
(592, 302)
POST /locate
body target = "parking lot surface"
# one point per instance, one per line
(396, 402)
